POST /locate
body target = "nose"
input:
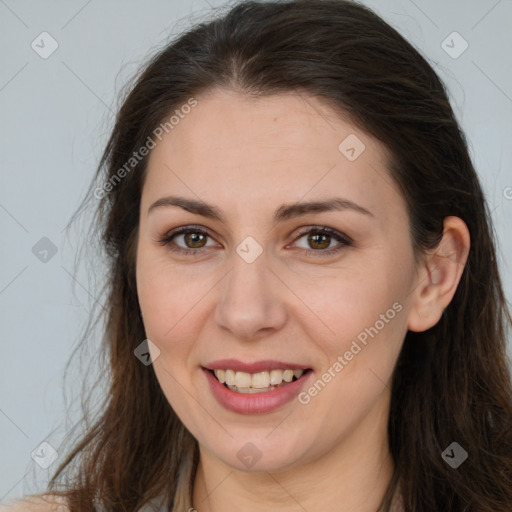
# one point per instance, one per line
(251, 304)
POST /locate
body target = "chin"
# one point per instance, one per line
(251, 454)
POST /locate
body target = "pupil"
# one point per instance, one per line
(314, 237)
(196, 237)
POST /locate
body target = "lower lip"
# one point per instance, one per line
(255, 403)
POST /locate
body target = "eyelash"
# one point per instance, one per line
(344, 240)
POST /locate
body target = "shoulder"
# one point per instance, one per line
(38, 503)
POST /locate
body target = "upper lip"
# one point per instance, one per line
(255, 367)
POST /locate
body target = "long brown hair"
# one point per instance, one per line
(451, 383)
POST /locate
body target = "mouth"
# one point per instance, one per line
(255, 388)
(260, 382)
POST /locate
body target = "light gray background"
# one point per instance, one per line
(55, 118)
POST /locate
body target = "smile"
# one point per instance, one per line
(260, 392)
(261, 382)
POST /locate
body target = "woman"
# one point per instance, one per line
(305, 309)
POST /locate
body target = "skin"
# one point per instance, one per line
(248, 157)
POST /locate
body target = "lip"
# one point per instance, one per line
(255, 403)
(256, 367)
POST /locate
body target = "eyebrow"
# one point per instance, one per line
(284, 212)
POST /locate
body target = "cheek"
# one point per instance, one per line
(169, 303)
(170, 300)
(367, 316)
(355, 297)
(362, 321)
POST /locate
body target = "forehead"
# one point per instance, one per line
(231, 147)
(288, 123)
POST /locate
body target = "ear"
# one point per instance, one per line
(439, 275)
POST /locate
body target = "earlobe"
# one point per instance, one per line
(439, 276)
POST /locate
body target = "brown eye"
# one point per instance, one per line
(319, 241)
(320, 238)
(194, 240)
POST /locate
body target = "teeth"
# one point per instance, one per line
(260, 380)
(230, 377)
(276, 377)
(242, 380)
(288, 375)
(250, 390)
(253, 382)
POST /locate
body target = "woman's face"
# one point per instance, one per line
(260, 287)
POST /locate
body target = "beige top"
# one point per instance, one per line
(44, 503)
